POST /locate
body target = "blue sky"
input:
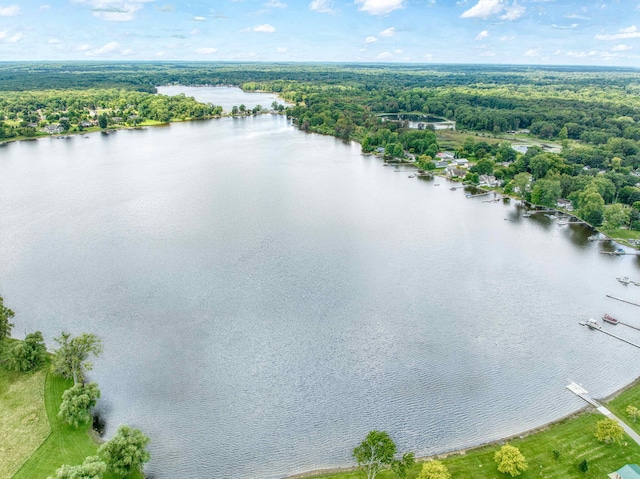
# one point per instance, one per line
(416, 31)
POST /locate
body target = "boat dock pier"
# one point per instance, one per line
(481, 194)
(597, 327)
(583, 394)
(623, 300)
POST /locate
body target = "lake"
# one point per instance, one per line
(267, 296)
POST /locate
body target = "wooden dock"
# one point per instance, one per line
(623, 300)
(582, 393)
(481, 194)
(599, 328)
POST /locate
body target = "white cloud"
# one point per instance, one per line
(482, 35)
(623, 33)
(199, 19)
(83, 47)
(487, 54)
(558, 52)
(266, 28)
(106, 49)
(45, 8)
(3, 34)
(487, 8)
(370, 39)
(54, 41)
(206, 50)
(379, 7)
(275, 4)
(322, 6)
(507, 38)
(428, 57)
(127, 51)
(114, 10)
(532, 52)
(592, 53)
(484, 9)
(389, 32)
(281, 50)
(10, 11)
(621, 48)
(383, 55)
(514, 12)
(15, 38)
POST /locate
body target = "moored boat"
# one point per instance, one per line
(624, 279)
(610, 319)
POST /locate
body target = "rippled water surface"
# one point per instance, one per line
(266, 297)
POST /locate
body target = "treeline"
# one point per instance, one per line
(25, 113)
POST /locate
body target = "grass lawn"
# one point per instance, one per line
(23, 419)
(622, 234)
(620, 403)
(65, 445)
(573, 438)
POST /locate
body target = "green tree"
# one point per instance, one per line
(126, 451)
(5, 315)
(608, 430)
(521, 184)
(632, 412)
(29, 354)
(92, 468)
(583, 466)
(591, 205)
(546, 192)
(103, 121)
(510, 460)
(434, 470)
(377, 453)
(71, 359)
(615, 216)
(77, 402)
(234, 110)
(483, 167)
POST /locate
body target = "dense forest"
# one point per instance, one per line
(593, 113)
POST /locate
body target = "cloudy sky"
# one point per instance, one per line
(418, 31)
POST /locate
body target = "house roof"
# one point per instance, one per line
(630, 471)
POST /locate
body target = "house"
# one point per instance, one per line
(453, 172)
(441, 164)
(116, 119)
(53, 129)
(488, 180)
(463, 162)
(380, 150)
(630, 471)
(86, 124)
(445, 155)
(565, 204)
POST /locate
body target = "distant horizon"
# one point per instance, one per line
(406, 65)
(497, 32)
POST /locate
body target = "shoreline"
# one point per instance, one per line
(463, 451)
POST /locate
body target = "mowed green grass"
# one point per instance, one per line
(573, 438)
(619, 404)
(66, 444)
(23, 419)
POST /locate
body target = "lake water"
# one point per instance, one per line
(266, 296)
(226, 97)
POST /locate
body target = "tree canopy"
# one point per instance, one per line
(71, 359)
(125, 451)
(378, 452)
(5, 316)
(77, 403)
(510, 460)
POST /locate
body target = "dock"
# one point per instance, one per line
(481, 194)
(599, 328)
(623, 300)
(583, 394)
